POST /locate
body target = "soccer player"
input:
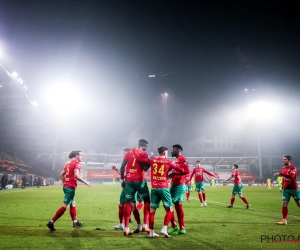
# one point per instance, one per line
(177, 189)
(188, 187)
(213, 182)
(160, 167)
(290, 187)
(279, 183)
(135, 208)
(269, 183)
(135, 182)
(70, 176)
(198, 171)
(237, 188)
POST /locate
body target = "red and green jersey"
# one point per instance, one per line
(180, 161)
(289, 174)
(198, 172)
(188, 179)
(134, 169)
(70, 179)
(236, 179)
(159, 172)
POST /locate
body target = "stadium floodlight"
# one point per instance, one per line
(34, 103)
(262, 112)
(14, 74)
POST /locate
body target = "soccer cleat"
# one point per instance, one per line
(136, 231)
(205, 204)
(165, 233)
(282, 222)
(127, 232)
(230, 206)
(201, 204)
(248, 205)
(174, 230)
(182, 231)
(153, 235)
(78, 224)
(145, 229)
(119, 227)
(51, 226)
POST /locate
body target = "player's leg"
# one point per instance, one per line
(173, 220)
(73, 214)
(202, 189)
(243, 198)
(129, 197)
(198, 189)
(145, 196)
(179, 208)
(121, 211)
(155, 199)
(69, 196)
(234, 192)
(167, 203)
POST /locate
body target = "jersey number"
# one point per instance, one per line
(161, 170)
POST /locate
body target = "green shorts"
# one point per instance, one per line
(238, 189)
(177, 192)
(200, 186)
(69, 195)
(188, 188)
(288, 193)
(160, 194)
(136, 186)
(137, 197)
(122, 196)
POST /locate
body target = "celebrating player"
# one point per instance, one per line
(70, 176)
(237, 188)
(290, 187)
(135, 182)
(177, 189)
(198, 171)
(160, 167)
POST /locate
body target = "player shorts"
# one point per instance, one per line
(188, 188)
(122, 196)
(136, 186)
(200, 186)
(69, 195)
(160, 194)
(237, 189)
(177, 192)
(288, 193)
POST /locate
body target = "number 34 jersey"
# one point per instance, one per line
(159, 172)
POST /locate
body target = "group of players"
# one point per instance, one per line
(136, 162)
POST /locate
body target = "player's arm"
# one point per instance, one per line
(230, 177)
(116, 169)
(78, 177)
(209, 173)
(178, 169)
(123, 168)
(63, 175)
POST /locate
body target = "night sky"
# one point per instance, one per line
(203, 55)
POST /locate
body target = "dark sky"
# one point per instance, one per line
(105, 50)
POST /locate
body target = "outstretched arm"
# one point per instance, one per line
(123, 168)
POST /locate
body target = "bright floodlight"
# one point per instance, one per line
(263, 110)
(35, 103)
(63, 98)
(14, 74)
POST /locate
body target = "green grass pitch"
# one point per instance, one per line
(24, 214)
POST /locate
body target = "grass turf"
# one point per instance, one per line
(24, 214)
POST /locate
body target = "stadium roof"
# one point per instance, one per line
(23, 133)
